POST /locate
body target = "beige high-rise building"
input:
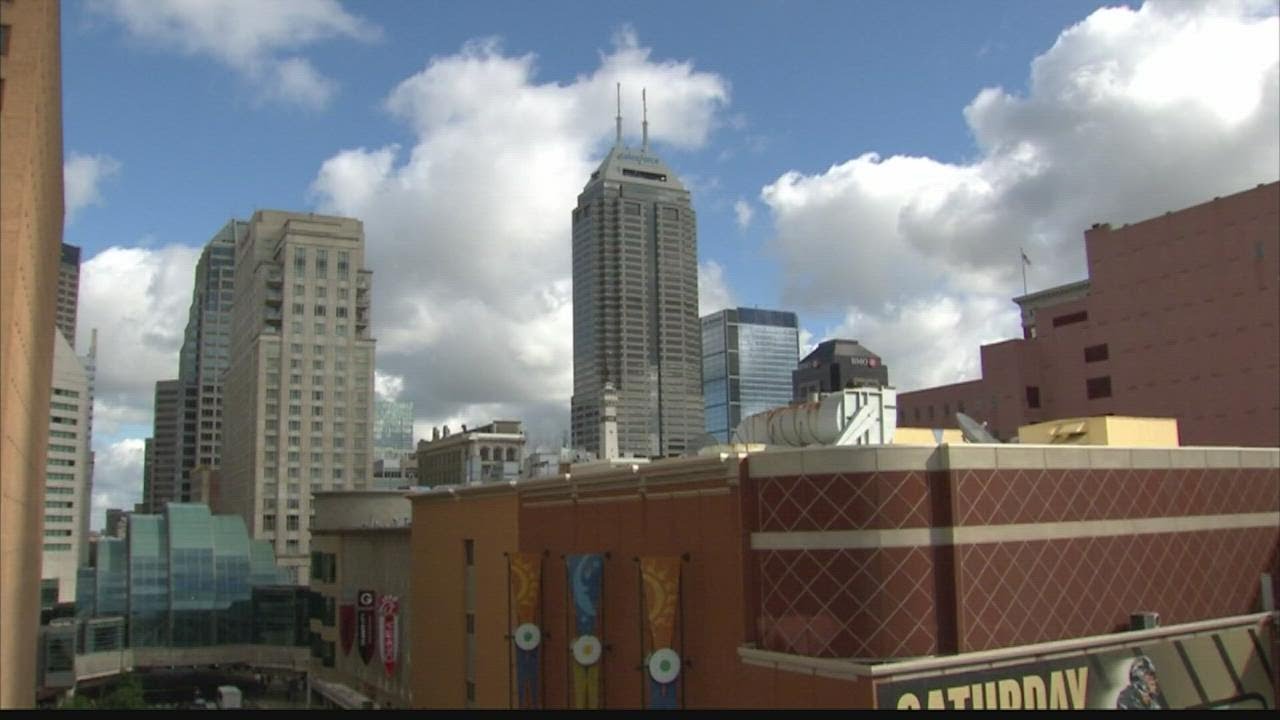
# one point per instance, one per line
(298, 408)
(30, 239)
(68, 474)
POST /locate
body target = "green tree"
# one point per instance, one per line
(127, 695)
(76, 702)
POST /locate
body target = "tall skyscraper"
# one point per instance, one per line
(748, 356)
(188, 410)
(298, 395)
(31, 215)
(68, 292)
(635, 306)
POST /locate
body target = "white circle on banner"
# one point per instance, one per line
(586, 650)
(528, 636)
(664, 665)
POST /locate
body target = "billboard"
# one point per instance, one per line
(1229, 668)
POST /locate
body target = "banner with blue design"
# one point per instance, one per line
(585, 580)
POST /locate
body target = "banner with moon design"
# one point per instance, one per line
(661, 578)
(524, 576)
(585, 573)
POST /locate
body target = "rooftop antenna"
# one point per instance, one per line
(644, 103)
(618, 141)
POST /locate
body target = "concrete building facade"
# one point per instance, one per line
(68, 473)
(298, 395)
(360, 544)
(635, 307)
(490, 453)
(835, 365)
(1180, 317)
(748, 356)
(31, 216)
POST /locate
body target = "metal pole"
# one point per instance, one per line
(640, 603)
(569, 632)
(604, 685)
(684, 682)
(510, 633)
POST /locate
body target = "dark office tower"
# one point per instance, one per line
(748, 356)
(188, 410)
(68, 292)
(635, 306)
(166, 447)
(205, 354)
(838, 364)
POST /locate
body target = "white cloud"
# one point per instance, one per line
(255, 38)
(387, 386)
(468, 231)
(742, 213)
(82, 177)
(1131, 113)
(137, 299)
(714, 294)
(117, 478)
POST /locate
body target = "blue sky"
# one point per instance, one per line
(873, 166)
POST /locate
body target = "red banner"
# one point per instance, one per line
(347, 627)
(389, 611)
(366, 635)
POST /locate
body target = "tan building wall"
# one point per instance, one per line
(30, 241)
(1105, 430)
(367, 534)
(446, 658)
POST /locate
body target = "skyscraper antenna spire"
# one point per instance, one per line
(644, 138)
(618, 141)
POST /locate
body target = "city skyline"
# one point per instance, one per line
(880, 189)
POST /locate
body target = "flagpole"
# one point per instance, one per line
(1023, 264)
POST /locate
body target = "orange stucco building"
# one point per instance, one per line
(1179, 318)
(30, 248)
(840, 576)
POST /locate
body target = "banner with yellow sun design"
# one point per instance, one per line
(661, 579)
(524, 578)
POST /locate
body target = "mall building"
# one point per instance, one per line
(945, 574)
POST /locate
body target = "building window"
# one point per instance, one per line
(469, 547)
(1099, 387)
(1096, 353)
(5, 31)
(269, 522)
(1033, 397)
(1070, 318)
(291, 522)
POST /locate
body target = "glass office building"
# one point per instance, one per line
(188, 578)
(748, 355)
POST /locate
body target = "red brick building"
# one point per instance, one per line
(1180, 317)
(847, 576)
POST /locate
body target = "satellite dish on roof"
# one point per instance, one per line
(700, 442)
(974, 431)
